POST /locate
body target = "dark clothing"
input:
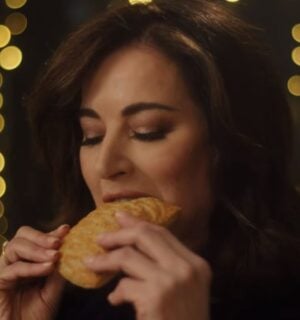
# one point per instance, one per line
(79, 304)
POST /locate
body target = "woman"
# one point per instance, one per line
(174, 99)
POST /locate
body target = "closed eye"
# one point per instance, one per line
(149, 136)
(145, 136)
(91, 141)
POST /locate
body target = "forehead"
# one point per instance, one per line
(136, 72)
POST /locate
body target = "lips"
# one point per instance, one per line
(124, 195)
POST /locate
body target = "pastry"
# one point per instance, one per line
(80, 242)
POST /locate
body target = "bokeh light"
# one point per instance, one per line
(2, 187)
(16, 22)
(2, 209)
(4, 35)
(2, 162)
(3, 225)
(1, 100)
(232, 0)
(294, 85)
(296, 56)
(139, 1)
(2, 240)
(296, 32)
(1, 80)
(15, 4)
(10, 58)
(2, 123)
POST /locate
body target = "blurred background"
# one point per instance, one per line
(29, 33)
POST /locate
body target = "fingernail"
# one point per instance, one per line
(54, 241)
(63, 227)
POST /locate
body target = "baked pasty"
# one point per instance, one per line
(80, 242)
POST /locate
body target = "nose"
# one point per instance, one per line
(113, 158)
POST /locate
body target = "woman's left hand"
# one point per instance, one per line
(164, 279)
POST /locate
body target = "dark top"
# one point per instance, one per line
(79, 304)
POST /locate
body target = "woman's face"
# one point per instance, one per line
(144, 136)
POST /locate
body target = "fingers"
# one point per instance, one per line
(46, 240)
(23, 249)
(21, 270)
(125, 259)
(154, 241)
(31, 253)
(61, 231)
(127, 290)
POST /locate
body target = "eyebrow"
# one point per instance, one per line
(129, 110)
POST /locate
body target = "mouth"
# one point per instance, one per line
(123, 196)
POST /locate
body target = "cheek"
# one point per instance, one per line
(183, 174)
(88, 172)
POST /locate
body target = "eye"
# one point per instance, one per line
(91, 141)
(149, 136)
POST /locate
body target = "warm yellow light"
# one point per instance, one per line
(139, 1)
(232, 0)
(296, 32)
(4, 35)
(294, 85)
(2, 123)
(1, 80)
(1, 100)
(2, 240)
(1, 209)
(296, 55)
(16, 22)
(15, 4)
(2, 187)
(10, 58)
(2, 162)
(3, 225)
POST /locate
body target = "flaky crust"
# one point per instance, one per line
(81, 240)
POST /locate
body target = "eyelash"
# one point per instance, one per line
(146, 137)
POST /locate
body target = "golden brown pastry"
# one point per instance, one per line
(80, 241)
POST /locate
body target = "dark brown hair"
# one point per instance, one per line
(253, 229)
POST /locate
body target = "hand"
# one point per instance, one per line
(164, 279)
(29, 287)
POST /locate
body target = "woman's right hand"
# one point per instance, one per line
(29, 286)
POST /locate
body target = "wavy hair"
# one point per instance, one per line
(255, 224)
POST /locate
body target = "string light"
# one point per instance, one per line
(2, 123)
(16, 22)
(4, 36)
(2, 187)
(1, 209)
(15, 4)
(294, 81)
(10, 57)
(296, 32)
(2, 240)
(2, 162)
(140, 1)
(3, 225)
(294, 85)
(296, 56)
